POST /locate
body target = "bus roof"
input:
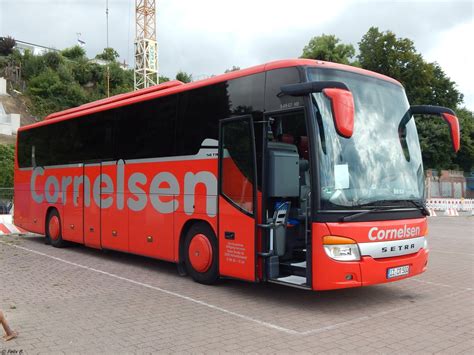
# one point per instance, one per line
(176, 86)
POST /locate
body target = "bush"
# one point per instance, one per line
(7, 156)
(6, 45)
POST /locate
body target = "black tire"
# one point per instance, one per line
(57, 242)
(211, 275)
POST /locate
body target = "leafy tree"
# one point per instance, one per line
(49, 93)
(163, 79)
(120, 80)
(425, 83)
(328, 48)
(83, 72)
(465, 157)
(184, 77)
(7, 153)
(6, 45)
(108, 54)
(234, 68)
(74, 53)
(32, 65)
(52, 59)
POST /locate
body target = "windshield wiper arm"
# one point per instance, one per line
(359, 214)
(421, 206)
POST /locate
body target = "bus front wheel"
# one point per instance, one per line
(201, 254)
(53, 229)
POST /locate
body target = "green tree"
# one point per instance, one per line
(49, 92)
(52, 59)
(163, 79)
(120, 80)
(6, 45)
(425, 83)
(184, 77)
(7, 153)
(108, 54)
(32, 65)
(74, 53)
(328, 48)
(465, 157)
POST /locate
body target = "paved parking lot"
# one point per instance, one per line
(82, 300)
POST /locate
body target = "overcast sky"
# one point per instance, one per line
(206, 37)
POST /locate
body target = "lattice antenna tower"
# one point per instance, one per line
(146, 47)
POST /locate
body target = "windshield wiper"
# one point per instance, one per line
(421, 206)
(359, 214)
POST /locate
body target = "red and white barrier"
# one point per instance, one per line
(7, 226)
(450, 206)
(451, 212)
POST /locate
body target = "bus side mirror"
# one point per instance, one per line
(342, 102)
(448, 115)
(342, 106)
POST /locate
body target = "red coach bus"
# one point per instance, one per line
(298, 172)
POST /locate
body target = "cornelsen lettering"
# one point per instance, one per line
(102, 190)
(390, 234)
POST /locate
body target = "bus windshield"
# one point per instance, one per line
(381, 163)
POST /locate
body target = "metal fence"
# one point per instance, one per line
(6, 200)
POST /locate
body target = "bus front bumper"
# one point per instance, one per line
(330, 274)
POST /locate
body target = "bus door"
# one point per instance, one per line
(237, 198)
(73, 206)
(113, 211)
(91, 206)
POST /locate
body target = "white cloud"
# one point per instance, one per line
(208, 36)
(454, 52)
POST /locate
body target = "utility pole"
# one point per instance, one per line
(146, 48)
(107, 69)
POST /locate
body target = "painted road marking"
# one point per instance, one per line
(235, 314)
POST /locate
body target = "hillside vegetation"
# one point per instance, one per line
(55, 81)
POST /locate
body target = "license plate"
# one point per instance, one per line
(398, 271)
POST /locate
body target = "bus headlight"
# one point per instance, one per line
(341, 248)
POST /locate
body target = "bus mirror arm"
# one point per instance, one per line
(447, 114)
(342, 102)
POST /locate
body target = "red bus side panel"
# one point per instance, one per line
(91, 209)
(73, 199)
(237, 250)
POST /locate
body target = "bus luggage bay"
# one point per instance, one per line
(299, 172)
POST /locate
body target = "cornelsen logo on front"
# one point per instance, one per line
(400, 233)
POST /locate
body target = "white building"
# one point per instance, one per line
(9, 122)
(35, 49)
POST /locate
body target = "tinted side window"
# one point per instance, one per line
(94, 138)
(246, 94)
(24, 149)
(40, 144)
(61, 140)
(275, 79)
(199, 113)
(201, 109)
(147, 129)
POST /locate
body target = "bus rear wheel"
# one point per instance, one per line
(53, 230)
(201, 254)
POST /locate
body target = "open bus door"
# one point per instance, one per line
(237, 198)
